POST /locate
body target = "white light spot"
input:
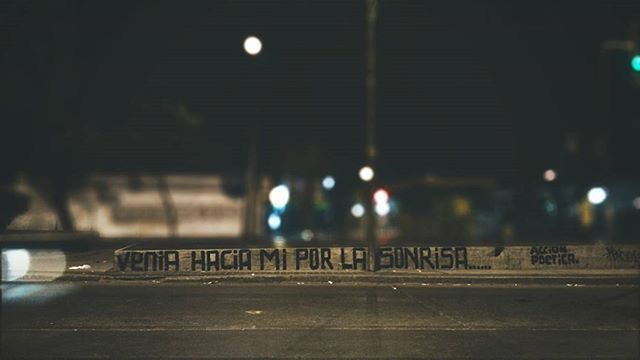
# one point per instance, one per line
(80, 267)
(252, 45)
(15, 264)
(597, 195)
(636, 203)
(274, 221)
(254, 312)
(550, 175)
(307, 235)
(357, 210)
(366, 173)
(279, 196)
(328, 182)
(382, 208)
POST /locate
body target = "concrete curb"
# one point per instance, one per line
(408, 259)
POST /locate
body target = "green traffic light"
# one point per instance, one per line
(635, 63)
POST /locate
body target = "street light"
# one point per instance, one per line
(252, 45)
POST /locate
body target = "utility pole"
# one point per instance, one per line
(251, 181)
(370, 128)
(252, 46)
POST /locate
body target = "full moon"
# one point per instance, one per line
(252, 45)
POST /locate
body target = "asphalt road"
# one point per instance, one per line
(145, 320)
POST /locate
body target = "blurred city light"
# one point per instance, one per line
(550, 207)
(636, 203)
(15, 264)
(382, 208)
(357, 210)
(252, 45)
(550, 175)
(279, 196)
(461, 206)
(635, 63)
(381, 196)
(307, 235)
(274, 221)
(328, 182)
(366, 173)
(597, 195)
(279, 241)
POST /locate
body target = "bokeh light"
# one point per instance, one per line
(357, 210)
(328, 182)
(382, 208)
(279, 241)
(635, 63)
(597, 195)
(380, 196)
(307, 235)
(550, 175)
(252, 45)
(279, 196)
(366, 173)
(274, 221)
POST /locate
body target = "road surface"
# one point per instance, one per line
(321, 321)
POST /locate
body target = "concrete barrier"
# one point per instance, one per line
(355, 259)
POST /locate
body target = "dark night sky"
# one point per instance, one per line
(465, 87)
